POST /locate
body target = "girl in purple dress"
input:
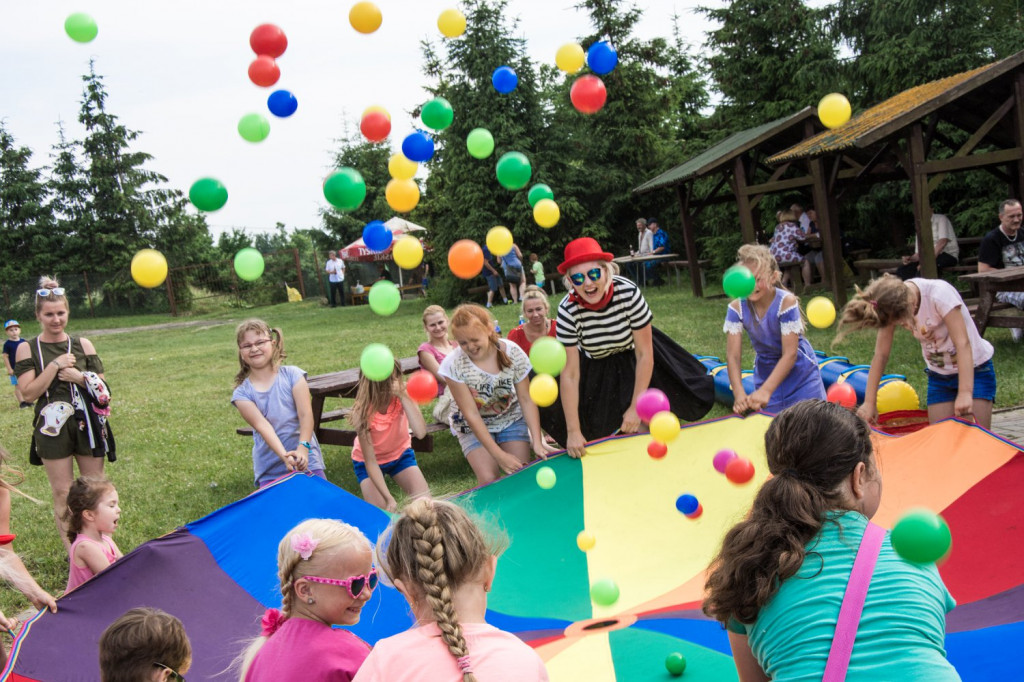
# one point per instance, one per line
(785, 367)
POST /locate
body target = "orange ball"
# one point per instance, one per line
(465, 259)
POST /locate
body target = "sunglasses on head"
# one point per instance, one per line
(355, 585)
(56, 291)
(175, 675)
(593, 274)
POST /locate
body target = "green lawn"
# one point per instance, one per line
(179, 457)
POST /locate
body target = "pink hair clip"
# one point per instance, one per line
(874, 303)
(304, 544)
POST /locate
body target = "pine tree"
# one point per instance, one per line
(70, 199)
(26, 222)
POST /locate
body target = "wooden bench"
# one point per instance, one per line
(347, 437)
(876, 267)
(702, 265)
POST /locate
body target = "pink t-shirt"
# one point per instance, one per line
(303, 650)
(389, 433)
(79, 574)
(518, 336)
(420, 655)
(938, 298)
(426, 347)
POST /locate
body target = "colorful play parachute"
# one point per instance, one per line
(218, 574)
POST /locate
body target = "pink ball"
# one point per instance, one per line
(722, 459)
(651, 402)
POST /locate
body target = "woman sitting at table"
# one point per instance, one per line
(614, 354)
(535, 310)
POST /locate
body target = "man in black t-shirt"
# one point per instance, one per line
(1003, 247)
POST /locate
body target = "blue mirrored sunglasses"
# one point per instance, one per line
(594, 274)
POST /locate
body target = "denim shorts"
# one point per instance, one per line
(516, 431)
(942, 388)
(393, 468)
(493, 281)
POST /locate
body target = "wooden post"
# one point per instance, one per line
(743, 200)
(690, 243)
(319, 275)
(170, 293)
(298, 272)
(828, 225)
(922, 208)
(1018, 136)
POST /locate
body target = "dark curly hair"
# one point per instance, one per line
(812, 447)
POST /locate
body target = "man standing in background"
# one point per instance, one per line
(335, 269)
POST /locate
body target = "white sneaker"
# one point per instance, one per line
(1017, 334)
(489, 304)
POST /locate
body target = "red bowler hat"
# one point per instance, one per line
(582, 250)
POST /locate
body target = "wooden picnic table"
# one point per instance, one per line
(646, 258)
(344, 384)
(988, 285)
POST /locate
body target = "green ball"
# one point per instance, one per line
(513, 170)
(738, 282)
(547, 355)
(437, 114)
(921, 536)
(345, 189)
(80, 27)
(377, 362)
(604, 592)
(208, 194)
(538, 192)
(254, 127)
(384, 298)
(675, 664)
(546, 478)
(249, 264)
(480, 143)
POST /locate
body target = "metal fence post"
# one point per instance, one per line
(88, 294)
(170, 294)
(319, 278)
(298, 272)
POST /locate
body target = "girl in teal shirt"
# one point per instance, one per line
(779, 580)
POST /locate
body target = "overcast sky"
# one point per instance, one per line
(177, 72)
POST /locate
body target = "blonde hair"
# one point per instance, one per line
(786, 215)
(433, 310)
(48, 282)
(610, 268)
(260, 327)
(883, 302)
(762, 259)
(473, 315)
(373, 397)
(434, 548)
(534, 292)
(332, 538)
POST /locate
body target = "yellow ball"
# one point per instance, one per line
(896, 395)
(407, 252)
(499, 240)
(585, 541)
(821, 312)
(401, 168)
(149, 268)
(402, 195)
(374, 107)
(452, 23)
(544, 390)
(546, 213)
(569, 57)
(834, 110)
(365, 17)
(664, 427)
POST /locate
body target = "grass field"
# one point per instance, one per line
(179, 457)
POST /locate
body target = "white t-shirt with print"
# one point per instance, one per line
(938, 298)
(495, 394)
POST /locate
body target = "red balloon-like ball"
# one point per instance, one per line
(588, 94)
(739, 470)
(375, 126)
(269, 40)
(657, 450)
(696, 512)
(842, 394)
(421, 387)
(264, 71)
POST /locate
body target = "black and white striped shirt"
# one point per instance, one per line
(600, 333)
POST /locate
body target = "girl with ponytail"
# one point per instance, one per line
(443, 564)
(779, 580)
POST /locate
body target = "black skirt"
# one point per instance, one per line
(606, 389)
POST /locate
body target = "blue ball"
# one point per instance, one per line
(687, 503)
(418, 146)
(602, 58)
(282, 103)
(504, 79)
(376, 236)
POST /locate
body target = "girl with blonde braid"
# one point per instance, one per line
(327, 575)
(442, 563)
